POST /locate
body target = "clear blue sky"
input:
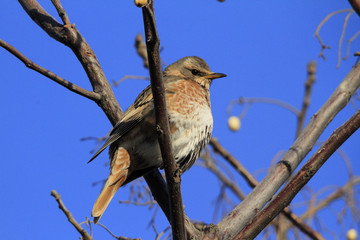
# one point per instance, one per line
(263, 47)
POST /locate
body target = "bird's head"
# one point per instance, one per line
(194, 69)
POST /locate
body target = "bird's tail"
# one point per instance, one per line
(117, 177)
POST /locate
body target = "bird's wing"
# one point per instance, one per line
(133, 116)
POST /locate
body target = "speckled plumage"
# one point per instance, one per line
(134, 148)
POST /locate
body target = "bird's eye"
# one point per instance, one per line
(195, 72)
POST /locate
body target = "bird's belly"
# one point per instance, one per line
(189, 135)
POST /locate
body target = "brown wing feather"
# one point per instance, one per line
(118, 175)
(132, 117)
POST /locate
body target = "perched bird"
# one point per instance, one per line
(134, 148)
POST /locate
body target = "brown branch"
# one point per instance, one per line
(71, 37)
(69, 216)
(141, 50)
(172, 170)
(209, 164)
(233, 162)
(61, 11)
(288, 193)
(297, 221)
(311, 69)
(355, 5)
(279, 173)
(30, 64)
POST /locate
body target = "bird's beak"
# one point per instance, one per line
(213, 76)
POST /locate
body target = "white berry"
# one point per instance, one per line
(351, 234)
(234, 123)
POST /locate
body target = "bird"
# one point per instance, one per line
(134, 149)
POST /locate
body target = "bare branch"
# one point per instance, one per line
(61, 11)
(317, 35)
(141, 50)
(311, 69)
(342, 37)
(69, 216)
(71, 37)
(233, 162)
(278, 174)
(285, 196)
(298, 222)
(172, 170)
(349, 44)
(30, 64)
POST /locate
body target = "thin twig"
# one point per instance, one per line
(30, 64)
(113, 235)
(335, 195)
(342, 36)
(349, 44)
(311, 69)
(285, 196)
(69, 216)
(116, 83)
(246, 101)
(317, 35)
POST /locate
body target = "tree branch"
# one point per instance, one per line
(172, 170)
(30, 64)
(278, 174)
(297, 221)
(69, 216)
(71, 37)
(288, 193)
(311, 69)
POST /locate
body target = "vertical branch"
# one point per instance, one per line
(172, 171)
(311, 69)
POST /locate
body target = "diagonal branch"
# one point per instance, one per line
(252, 182)
(285, 196)
(69, 216)
(172, 170)
(30, 64)
(279, 173)
(71, 37)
